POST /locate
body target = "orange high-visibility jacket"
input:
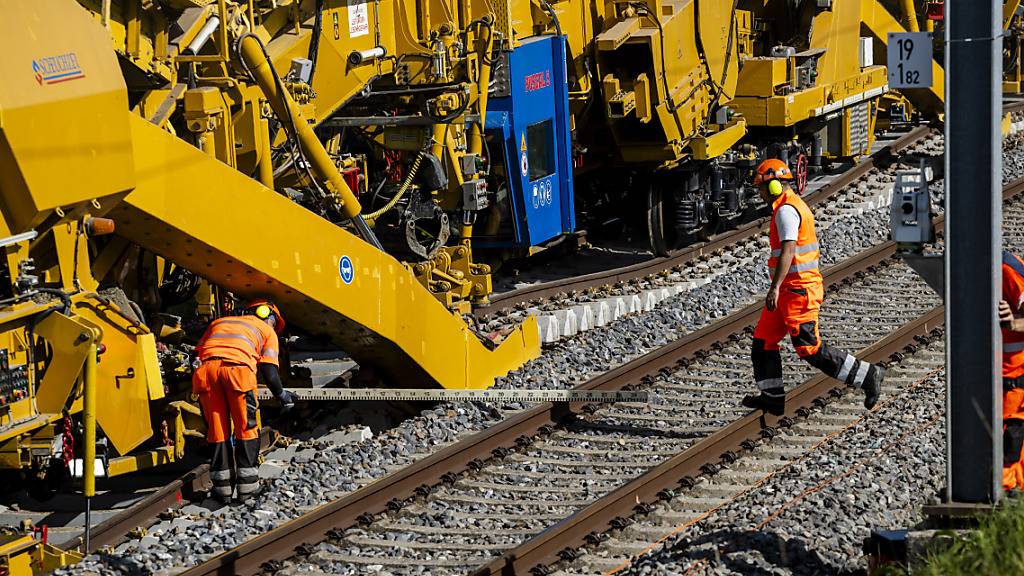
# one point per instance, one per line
(804, 269)
(243, 339)
(1013, 293)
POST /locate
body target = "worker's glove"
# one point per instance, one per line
(287, 400)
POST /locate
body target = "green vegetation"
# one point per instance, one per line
(997, 547)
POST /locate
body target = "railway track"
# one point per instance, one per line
(560, 471)
(744, 477)
(452, 510)
(701, 251)
(421, 473)
(653, 271)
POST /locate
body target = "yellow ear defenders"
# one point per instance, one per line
(263, 311)
(774, 187)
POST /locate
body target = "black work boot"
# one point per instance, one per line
(873, 385)
(771, 400)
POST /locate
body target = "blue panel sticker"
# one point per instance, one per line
(346, 270)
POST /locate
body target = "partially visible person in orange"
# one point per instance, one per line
(230, 353)
(794, 299)
(1011, 322)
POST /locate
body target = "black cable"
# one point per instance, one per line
(290, 130)
(725, 68)
(554, 17)
(314, 42)
(64, 297)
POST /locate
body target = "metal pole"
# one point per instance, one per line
(89, 438)
(973, 245)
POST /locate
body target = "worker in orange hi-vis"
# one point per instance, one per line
(230, 353)
(793, 300)
(1011, 322)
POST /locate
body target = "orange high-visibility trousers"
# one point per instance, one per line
(1013, 434)
(227, 393)
(796, 315)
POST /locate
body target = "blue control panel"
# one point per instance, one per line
(532, 123)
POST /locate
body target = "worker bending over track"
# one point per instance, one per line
(794, 299)
(230, 352)
(1012, 324)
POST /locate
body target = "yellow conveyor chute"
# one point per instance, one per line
(201, 214)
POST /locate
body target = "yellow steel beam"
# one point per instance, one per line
(227, 227)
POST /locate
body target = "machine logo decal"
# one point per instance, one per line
(538, 81)
(57, 69)
(346, 270)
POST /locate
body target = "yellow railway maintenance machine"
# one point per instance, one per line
(353, 160)
(78, 148)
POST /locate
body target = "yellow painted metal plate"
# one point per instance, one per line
(201, 214)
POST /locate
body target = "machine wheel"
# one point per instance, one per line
(665, 217)
(658, 230)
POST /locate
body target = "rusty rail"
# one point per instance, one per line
(143, 513)
(502, 302)
(264, 551)
(557, 542)
(346, 512)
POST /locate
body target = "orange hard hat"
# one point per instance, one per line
(263, 308)
(772, 169)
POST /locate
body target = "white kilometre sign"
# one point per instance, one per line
(910, 60)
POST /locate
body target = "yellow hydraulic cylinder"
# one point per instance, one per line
(89, 436)
(476, 135)
(910, 14)
(281, 101)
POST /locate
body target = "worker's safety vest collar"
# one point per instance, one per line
(804, 268)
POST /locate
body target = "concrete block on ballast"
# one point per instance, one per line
(584, 317)
(567, 322)
(548, 327)
(600, 312)
(618, 306)
(636, 305)
(649, 301)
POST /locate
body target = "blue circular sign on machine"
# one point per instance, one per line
(346, 270)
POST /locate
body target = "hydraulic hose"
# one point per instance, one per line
(406, 184)
(250, 49)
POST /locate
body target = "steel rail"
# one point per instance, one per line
(559, 541)
(117, 528)
(508, 300)
(390, 491)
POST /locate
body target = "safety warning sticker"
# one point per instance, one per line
(358, 21)
(346, 270)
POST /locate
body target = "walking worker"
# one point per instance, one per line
(794, 299)
(1011, 323)
(231, 351)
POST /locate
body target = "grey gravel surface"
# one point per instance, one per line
(458, 527)
(331, 471)
(813, 517)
